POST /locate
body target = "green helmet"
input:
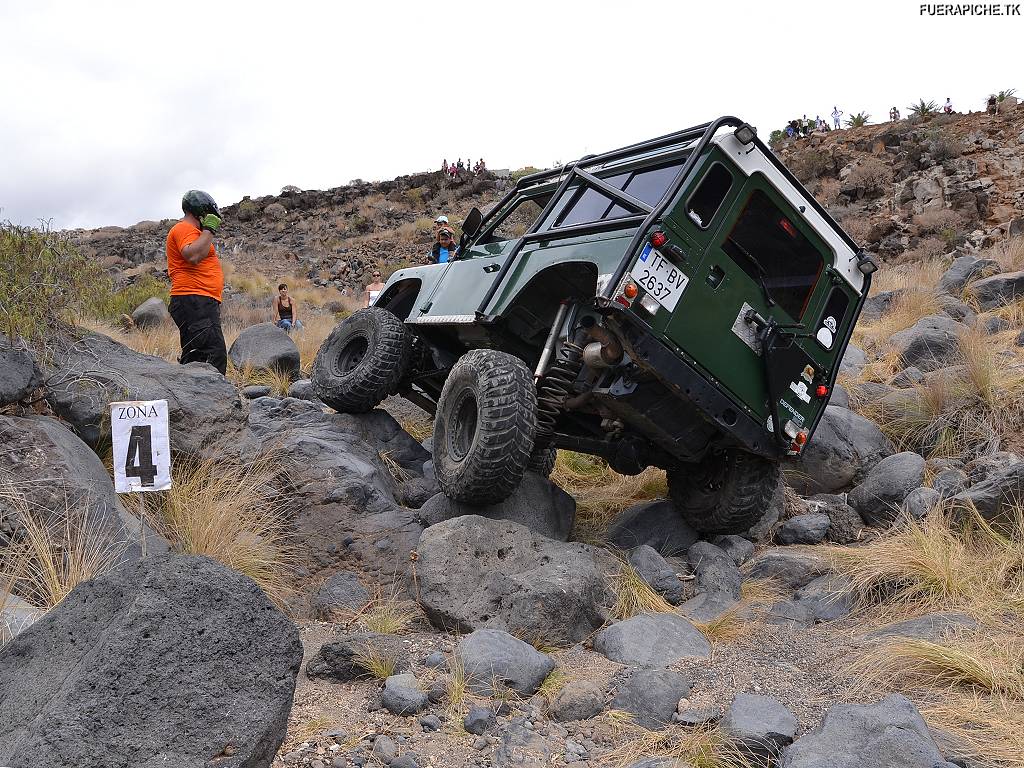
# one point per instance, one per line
(199, 203)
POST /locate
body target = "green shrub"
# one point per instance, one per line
(110, 302)
(923, 108)
(517, 175)
(858, 120)
(809, 164)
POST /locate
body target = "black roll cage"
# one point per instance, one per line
(646, 215)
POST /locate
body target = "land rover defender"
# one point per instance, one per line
(682, 302)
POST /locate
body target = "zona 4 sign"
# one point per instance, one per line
(141, 446)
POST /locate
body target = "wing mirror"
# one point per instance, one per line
(471, 225)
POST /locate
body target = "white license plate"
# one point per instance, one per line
(659, 277)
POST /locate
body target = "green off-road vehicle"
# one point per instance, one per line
(682, 303)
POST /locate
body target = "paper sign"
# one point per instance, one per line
(142, 446)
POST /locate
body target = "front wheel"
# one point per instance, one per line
(362, 361)
(484, 428)
(727, 492)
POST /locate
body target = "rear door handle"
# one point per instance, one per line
(491, 268)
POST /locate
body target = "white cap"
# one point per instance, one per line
(441, 220)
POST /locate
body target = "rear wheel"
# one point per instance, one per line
(727, 492)
(484, 427)
(542, 461)
(362, 361)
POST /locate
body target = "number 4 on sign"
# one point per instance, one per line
(138, 461)
(142, 452)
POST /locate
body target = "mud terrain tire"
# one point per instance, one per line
(542, 461)
(727, 492)
(484, 427)
(362, 361)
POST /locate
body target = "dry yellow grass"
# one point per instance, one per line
(161, 341)
(57, 551)
(553, 683)
(1009, 253)
(634, 596)
(377, 663)
(705, 747)
(233, 513)
(316, 327)
(389, 613)
(756, 596)
(987, 729)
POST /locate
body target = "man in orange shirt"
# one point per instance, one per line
(197, 282)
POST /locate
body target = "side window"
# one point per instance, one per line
(517, 221)
(766, 245)
(647, 184)
(650, 185)
(832, 317)
(705, 202)
(589, 206)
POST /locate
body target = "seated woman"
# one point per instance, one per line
(285, 315)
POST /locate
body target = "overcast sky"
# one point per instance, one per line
(112, 110)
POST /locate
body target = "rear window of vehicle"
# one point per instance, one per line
(766, 245)
(705, 202)
(588, 205)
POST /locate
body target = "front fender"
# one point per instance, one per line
(409, 288)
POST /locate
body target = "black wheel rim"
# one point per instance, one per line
(352, 354)
(462, 433)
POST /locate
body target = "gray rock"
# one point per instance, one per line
(907, 378)
(151, 313)
(957, 310)
(844, 447)
(879, 304)
(475, 572)
(537, 503)
(415, 492)
(301, 390)
(655, 570)
(994, 324)
(950, 482)
(997, 291)
(879, 496)
(932, 626)
(650, 695)
(963, 270)
(839, 396)
(811, 528)
(889, 734)
(265, 347)
(717, 582)
(789, 569)
(402, 696)
(385, 749)
(521, 746)
(845, 523)
(47, 469)
(169, 655)
(435, 659)
(828, 597)
(932, 343)
(988, 466)
(651, 639)
(491, 655)
(255, 390)
(430, 723)
(790, 613)
(479, 720)
(760, 726)
(919, 502)
(346, 657)
(655, 523)
(995, 497)
(736, 547)
(18, 372)
(275, 211)
(854, 361)
(577, 700)
(408, 760)
(341, 595)
(84, 376)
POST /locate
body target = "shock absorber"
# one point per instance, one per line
(553, 388)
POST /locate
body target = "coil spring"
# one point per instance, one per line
(553, 389)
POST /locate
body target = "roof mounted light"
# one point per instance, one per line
(745, 134)
(867, 263)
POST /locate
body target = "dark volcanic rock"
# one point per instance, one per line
(655, 523)
(650, 695)
(18, 372)
(345, 658)
(844, 447)
(151, 313)
(172, 658)
(655, 570)
(880, 495)
(932, 343)
(760, 725)
(651, 640)
(491, 655)
(265, 347)
(811, 528)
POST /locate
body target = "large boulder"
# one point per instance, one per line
(86, 375)
(474, 572)
(151, 313)
(995, 291)
(343, 492)
(49, 472)
(651, 696)
(657, 524)
(169, 660)
(717, 581)
(933, 342)
(265, 347)
(787, 568)
(760, 726)
(18, 372)
(963, 270)
(651, 640)
(811, 528)
(844, 447)
(879, 496)
(655, 570)
(997, 496)
(537, 503)
(889, 734)
(491, 657)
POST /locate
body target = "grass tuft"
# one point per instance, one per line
(705, 747)
(634, 596)
(553, 683)
(388, 614)
(377, 663)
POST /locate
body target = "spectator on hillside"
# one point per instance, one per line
(479, 167)
(197, 281)
(373, 290)
(991, 105)
(837, 113)
(444, 166)
(819, 124)
(790, 133)
(440, 221)
(443, 249)
(894, 115)
(285, 312)
(948, 106)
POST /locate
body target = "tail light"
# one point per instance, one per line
(821, 391)
(658, 239)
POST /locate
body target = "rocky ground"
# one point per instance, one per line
(872, 617)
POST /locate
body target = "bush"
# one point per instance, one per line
(115, 302)
(923, 108)
(517, 175)
(858, 120)
(809, 164)
(937, 222)
(871, 174)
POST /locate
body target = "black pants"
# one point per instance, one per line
(198, 321)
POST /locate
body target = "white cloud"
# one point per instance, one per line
(114, 109)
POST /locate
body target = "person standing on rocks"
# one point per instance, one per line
(836, 114)
(197, 281)
(373, 289)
